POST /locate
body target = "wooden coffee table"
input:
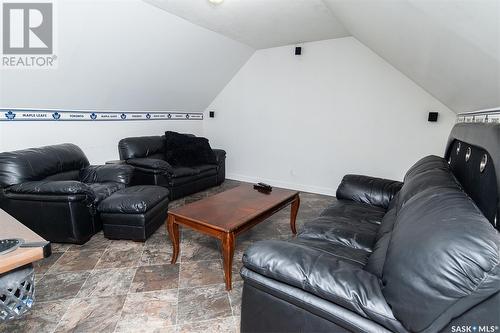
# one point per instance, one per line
(228, 214)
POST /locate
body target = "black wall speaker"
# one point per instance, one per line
(211, 114)
(298, 50)
(433, 116)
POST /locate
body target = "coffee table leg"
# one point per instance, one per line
(227, 254)
(173, 231)
(293, 214)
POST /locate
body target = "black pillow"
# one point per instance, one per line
(186, 150)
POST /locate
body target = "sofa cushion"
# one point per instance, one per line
(185, 150)
(185, 179)
(425, 180)
(376, 260)
(350, 211)
(134, 200)
(323, 275)
(205, 167)
(352, 255)
(442, 259)
(151, 163)
(342, 231)
(103, 190)
(179, 172)
(141, 147)
(430, 162)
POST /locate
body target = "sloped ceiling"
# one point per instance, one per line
(260, 23)
(450, 48)
(127, 55)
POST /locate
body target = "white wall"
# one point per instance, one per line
(99, 140)
(303, 122)
(119, 55)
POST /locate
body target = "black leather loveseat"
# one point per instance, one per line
(55, 192)
(148, 156)
(418, 256)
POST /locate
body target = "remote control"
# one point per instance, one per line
(263, 187)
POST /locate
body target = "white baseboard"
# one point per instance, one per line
(277, 183)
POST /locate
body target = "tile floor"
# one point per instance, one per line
(124, 286)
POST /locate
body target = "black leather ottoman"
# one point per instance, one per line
(134, 212)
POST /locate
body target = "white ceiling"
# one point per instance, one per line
(450, 48)
(260, 23)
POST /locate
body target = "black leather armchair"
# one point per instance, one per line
(147, 155)
(385, 256)
(55, 192)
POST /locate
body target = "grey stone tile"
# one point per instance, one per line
(125, 245)
(120, 258)
(203, 303)
(107, 282)
(160, 255)
(229, 184)
(122, 327)
(235, 271)
(200, 273)
(263, 233)
(176, 203)
(241, 246)
(162, 229)
(42, 266)
(38, 277)
(60, 247)
(235, 297)
(149, 312)
(157, 277)
(195, 197)
(94, 314)
(97, 242)
(42, 318)
(311, 197)
(76, 261)
(195, 246)
(219, 325)
(237, 323)
(59, 286)
(158, 240)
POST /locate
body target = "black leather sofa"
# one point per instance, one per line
(56, 193)
(418, 256)
(147, 155)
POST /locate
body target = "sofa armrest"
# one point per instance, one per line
(151, 163)
(370, 190)
(323, 275)
(46, 187)
(117, 173)
(220, 155)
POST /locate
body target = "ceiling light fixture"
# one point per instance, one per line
(216, 2)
